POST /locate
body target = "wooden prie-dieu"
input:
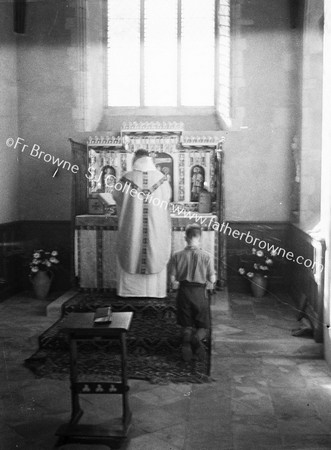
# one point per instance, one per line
(81, 326)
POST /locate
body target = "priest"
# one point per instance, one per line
(144, 229)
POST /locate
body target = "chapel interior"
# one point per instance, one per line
(262, 147)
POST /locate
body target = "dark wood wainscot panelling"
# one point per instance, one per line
(48, 235)
(10, 260)
(306, 278)
(18, 240)
(238, 250)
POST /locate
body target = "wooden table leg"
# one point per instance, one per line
(76, 411)
(125, 402)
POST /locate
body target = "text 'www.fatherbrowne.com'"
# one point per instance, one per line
(211, 223)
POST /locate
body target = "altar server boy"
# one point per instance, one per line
(190, 270)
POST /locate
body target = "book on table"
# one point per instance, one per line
(102, 315)
(107, 198)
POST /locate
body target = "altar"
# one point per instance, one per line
(193, 166)
(95, 247)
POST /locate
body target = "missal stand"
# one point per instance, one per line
(81, 326)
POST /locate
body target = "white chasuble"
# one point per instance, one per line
(144, 231)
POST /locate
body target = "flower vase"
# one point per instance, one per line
(41, 282)
(259, 285)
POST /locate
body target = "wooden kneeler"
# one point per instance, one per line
(81, 326)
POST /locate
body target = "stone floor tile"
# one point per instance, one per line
(307, 441)
(199, 438)
(247, 439)
(270, 390)
(283, 375)
(149, 442)
(303, 426)
(174, 436)
(246, 367)
(258, 444)
(249, 380)
(314, 369)
(155, 419)
(163, 395)
(292, 404)
(179, 408)
(82, 447)
(320, 398)
(258, 423)
(251, 401)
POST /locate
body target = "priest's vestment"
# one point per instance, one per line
(144, 231)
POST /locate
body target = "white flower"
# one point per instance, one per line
(48, 264)
(269, 261)
(253, 250)
(35, 261)
(256, 266)
(36, 255)
(54, 253)
(34, 269)
(241, 271)
(259, 253)
(250, 274)
(264, 268)
(273, 253)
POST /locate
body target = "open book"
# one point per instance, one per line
(102, 315)
(107, 198)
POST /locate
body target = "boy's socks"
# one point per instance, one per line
(186, 348)
(187, 352)
(199, 348)
(201, 333)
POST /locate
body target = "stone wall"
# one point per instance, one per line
(56, 101)
(8, 116)
(312, 88)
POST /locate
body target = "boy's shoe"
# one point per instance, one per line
(199, 348)
(187, 351)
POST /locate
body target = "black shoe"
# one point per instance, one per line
(199, 349)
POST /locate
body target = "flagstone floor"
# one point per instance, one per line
(270, 390)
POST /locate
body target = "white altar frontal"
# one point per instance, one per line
(192, 164)
(95, 247)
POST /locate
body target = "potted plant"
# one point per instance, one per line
(257, 269)
(42, 271)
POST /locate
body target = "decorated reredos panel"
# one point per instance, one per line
(189, 162)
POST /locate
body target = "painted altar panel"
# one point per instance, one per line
(188, 173)
(105, 166)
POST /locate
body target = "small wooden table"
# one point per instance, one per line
(80, 326)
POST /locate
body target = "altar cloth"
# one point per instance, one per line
(95, 249)
(137, 285)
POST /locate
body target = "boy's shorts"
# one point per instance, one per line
(193, 305)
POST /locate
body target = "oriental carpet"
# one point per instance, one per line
(153, 343)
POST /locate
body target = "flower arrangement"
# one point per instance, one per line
(259, 263)
(43, 261)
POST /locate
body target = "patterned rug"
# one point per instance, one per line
(154, 345)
